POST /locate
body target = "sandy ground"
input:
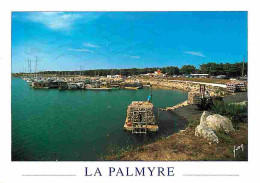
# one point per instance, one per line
(190, 112)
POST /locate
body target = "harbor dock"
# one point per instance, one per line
(81, 83)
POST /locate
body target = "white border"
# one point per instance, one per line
(12, 171)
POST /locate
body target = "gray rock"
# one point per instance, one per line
(209, 123)
(217, 122)
(203, 117)
(207, 133)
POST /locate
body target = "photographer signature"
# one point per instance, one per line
(236, 148)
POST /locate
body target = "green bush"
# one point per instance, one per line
(193, 123)
(224, 137)
(236, 112)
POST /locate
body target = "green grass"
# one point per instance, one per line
(224, 137)
(236, 112)
(193, 123)
(116, 152)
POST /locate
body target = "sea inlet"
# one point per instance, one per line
(56, 125)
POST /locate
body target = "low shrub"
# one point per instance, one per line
(193, 123)
(236, 112)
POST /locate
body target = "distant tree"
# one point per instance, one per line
(231, 70)
(187, 69)
(163, 70)
(212, 68)
(175, 70)
(114, 71)
(172, 70)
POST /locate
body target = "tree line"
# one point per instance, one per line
(213, 69)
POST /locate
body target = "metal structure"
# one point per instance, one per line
(205, 98)
(202, 90)
(139, 126)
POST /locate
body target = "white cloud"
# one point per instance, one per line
(132, 56)
(136, 57)
(195, 53)
(81, 50)
(90, 45)
(60, 20)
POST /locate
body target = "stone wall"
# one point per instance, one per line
(141, 111)
(187, 86)
(194, 97)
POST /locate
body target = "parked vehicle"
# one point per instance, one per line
(221, 77)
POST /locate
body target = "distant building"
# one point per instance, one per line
(117, 76)
(114, 76)
(148, 74)
(158, 72)
(200, 75)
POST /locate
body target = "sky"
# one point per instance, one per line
(115, 40)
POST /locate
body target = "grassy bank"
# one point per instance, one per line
(185, 145)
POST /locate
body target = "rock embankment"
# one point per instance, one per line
(182, 104)
(214, 89)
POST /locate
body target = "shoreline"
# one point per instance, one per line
(214, 89)
(180, 145)
(187, 114)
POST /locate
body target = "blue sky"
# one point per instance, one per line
(99, 40)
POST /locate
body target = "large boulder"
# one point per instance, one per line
(209, 123)
(206, 133)
(217, 122)
(204, 116)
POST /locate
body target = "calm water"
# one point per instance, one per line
(80, 125)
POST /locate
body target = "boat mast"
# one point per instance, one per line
(36, 66)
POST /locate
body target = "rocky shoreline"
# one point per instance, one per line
(184, 145)
(213, 88)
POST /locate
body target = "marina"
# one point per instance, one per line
(88, 122)
(90, 86)
(82, 83)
